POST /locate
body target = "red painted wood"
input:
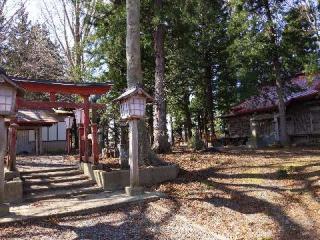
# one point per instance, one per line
(81, 144)
(68, 141)
(95, 145)
(86, 127)
(37, 105)
(52, 97)
(71, 88)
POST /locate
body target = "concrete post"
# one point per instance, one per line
(4, 208)
(134, 188)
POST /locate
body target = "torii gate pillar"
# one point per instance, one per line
(86, 127)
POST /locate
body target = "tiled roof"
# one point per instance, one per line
(57, 82)
(300, 88)
(39, 117)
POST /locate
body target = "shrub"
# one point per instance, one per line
(196, 143)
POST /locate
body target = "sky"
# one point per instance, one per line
(34, 9)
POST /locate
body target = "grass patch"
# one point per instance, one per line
(285, 170)
(282, 173)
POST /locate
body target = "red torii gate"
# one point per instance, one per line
(61, 87)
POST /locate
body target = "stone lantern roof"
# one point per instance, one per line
(134, 92)
(4, 79)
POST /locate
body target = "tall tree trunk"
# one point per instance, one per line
(124, 146)
(116, 138)
(161, 144)
(77, 43)
(134, 75)
(209, 102)
(188, 121)
(277, 72)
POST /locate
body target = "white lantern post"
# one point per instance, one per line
(132, 109)
(8, 93)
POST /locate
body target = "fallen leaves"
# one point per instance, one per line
(239, 193)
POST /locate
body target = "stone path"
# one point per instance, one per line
(73, 206)
(55, 187)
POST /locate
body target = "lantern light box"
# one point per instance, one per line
(8, 92)
(133, 103)
(69, 122)
(79, 115)
(6, 98)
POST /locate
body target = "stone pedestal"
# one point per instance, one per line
(134, 191)
(9, 175)
(4, 209)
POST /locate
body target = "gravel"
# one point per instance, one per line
(137, 222)
(43, 162)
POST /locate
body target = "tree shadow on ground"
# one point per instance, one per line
(241, 202)
(134, 224)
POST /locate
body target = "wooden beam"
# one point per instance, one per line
(95, 145)
(64, 88)
(38, 105)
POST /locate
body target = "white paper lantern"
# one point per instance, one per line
(8, 92)
(69, 122)
(7, 95)
(133, 103)
(79, 115)
(134, 107)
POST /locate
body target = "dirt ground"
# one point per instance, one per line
(237, 194)
(242, 194)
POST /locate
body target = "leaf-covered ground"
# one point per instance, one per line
(242, 194)
(238, 194)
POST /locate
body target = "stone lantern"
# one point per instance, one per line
(133, 108)
(8, 93)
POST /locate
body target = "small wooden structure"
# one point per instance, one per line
(84, 90)
(40, 131)
(257, 118)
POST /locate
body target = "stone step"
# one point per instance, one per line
(53, 180)
(47, 175)
(62, 193)
(55, 186)
(46, 170)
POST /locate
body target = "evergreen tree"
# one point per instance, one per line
(30, 52)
